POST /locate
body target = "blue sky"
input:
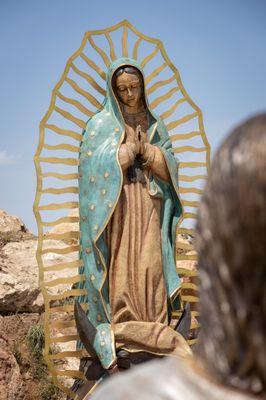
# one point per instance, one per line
(219, 48)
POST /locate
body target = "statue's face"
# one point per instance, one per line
(129, 89)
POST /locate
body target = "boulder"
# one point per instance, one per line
(184, 247)
(65, 226)
(19, 275)
(10, 223)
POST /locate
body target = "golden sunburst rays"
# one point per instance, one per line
(77, 96)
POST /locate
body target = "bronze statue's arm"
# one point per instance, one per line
(154, 159)
(126, 155)
(128, 151)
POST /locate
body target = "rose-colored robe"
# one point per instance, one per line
(137, 291)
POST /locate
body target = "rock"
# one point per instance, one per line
(66, 227)
(12, 229)
(19, 275)
(185, 248)
(190, 265)
(70, 363)
(185, 238)
(11, 383)
(10, 223)
(184, 243)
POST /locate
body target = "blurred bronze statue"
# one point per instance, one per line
(230, 356)
(231, 247)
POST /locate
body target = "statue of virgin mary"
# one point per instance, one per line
(129, 210)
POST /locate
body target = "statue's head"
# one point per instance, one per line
(127, 84)
(231, 247)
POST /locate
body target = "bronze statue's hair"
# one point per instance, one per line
(231, 246)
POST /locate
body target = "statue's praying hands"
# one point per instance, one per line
(137, 145)
(133, 146)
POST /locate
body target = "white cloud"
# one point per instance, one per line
(8, 159)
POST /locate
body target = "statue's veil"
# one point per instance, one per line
(77, 96)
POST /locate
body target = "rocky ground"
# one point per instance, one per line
(23, 374)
